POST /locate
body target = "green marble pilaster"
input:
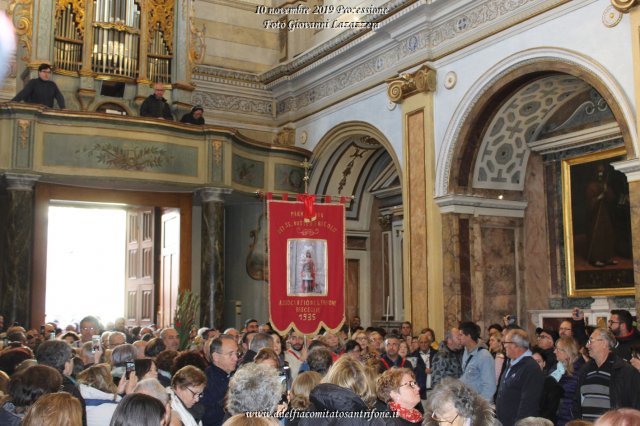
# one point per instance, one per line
(212, 281)
(17, 248)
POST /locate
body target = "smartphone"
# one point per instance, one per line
(95, 343)
(52, 335)
(42, 330)
(131, 367)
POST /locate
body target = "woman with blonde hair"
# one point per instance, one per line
(619, 417)
(497, 351)
(301, 388)
(54, 409)
(569, 363)
(100, 393)
(345, 389)
(397, 387)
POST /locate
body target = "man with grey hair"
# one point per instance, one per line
(170, 338)
(446, 362)
(224, 356)
(521, 385)
(254, 387)
(606, 381)
(152, 387)
(259, 341)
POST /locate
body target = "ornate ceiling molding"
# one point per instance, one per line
(420, 81)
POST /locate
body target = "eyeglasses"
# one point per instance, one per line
(412, 384)
(195, 394)
(591, 340)
(230, 353)
(89, 328)
(508, 342)
(614, 322)
(434, 417)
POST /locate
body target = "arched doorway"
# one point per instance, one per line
(506, 161)
(355, 158)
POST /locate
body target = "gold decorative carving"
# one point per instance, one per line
(421, 81)
(217, 151)
(624, 6)
(77, 7)
(286, 136)
(22, 13)
(24, 132)
(116, 25)
(385, 222)
(160, 13)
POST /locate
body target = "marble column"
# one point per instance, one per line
(212, 269)
(631, 169)
(634, 200)
(17, 248)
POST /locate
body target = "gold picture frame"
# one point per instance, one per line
(597, 226)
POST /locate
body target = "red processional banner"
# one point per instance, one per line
(306, 265)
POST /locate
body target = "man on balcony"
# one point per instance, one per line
(41, 90)
(155, 105)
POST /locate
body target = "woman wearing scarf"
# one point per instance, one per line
(186, 390)
(397, 387)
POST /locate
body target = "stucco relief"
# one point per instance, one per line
(232, 103)
(503, 153)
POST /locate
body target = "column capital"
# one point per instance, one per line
(624, 6)
(20, 181)
(421, 80)
(213, 194)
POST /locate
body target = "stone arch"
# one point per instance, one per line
(463, 137)
(355, 158)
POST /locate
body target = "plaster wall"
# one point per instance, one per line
(240, 220)
(370, 106)
(574, 31)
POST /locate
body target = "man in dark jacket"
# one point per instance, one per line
(155, 105)
(58, 354)
(606, 382)
(521, 385)
(194, 117)
(224, 354)
(627, 336)
(424, 358)
(41, 90)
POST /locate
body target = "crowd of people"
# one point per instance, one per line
(87, 374)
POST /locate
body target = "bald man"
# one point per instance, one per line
(156, 105)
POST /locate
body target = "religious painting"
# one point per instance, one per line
(597, 226)
(307, 266)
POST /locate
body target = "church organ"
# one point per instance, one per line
(124, 40)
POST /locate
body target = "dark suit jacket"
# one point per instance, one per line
(519, 392)
(421, 376)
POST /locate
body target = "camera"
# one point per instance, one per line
(95, 343)
(131, 367)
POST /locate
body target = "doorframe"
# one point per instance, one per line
(45, 192)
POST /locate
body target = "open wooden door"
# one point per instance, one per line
(169, 265)
(139, 303)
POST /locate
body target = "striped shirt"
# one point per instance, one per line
(595, 392)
